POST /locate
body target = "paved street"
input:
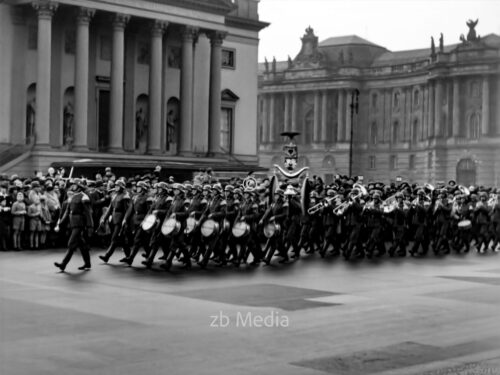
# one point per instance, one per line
(315, 316)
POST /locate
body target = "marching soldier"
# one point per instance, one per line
(79, 214)
(276, 214)
(135, 215)
(118, 207)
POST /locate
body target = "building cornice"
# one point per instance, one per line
(245, 23)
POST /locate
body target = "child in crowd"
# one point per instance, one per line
(18, 212)
(4, 222)
(46, 218)
(35, 222)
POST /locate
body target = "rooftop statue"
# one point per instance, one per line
(309, 55)
(471, 35)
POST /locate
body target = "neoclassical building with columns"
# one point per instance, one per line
(424, 115)
(129, 83)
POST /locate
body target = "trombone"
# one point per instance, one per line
(319, 206)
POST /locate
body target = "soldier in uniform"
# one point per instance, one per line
(195, 210)
(133, 218)
(442, 222)
(482, 218)
(117, 209)
(354, 225)
(159, 207)
(292, 223)
(276, 213)
(419, 214)
(330, 224)
(79, 214)
(375, 223)
(216, 211)
(399, 227)
(250, 214)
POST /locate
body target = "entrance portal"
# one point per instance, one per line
(466, 172)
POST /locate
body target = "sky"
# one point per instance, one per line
(394, 24)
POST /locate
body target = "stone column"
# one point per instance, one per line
(456, 107)
(117, 80)
(186, 121)
(45, 10)
(316, 123)
(485, 112)
(294, 112)
(340, 116)
(214, 111)
(430, 125)
(265, 122)
(324, 104)
(347, 130)
(155, 87)
(82, 78)
(272, 118)
(438, 109)
(286, 125)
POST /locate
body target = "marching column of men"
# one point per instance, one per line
(215, 224)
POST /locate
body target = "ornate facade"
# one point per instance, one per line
(129, 82)
(422, 115)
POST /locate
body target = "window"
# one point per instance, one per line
(416, 98)
(474, 126)
(475, 89)
(228, 58)
(226, 129)
(70, 41)
(393, 162)
(411, 162)
(395, 102)
(374, 101)
(32, 36)
(414, 133)
(372, 160)
(105, 47)
(395, 131)
(373, 133)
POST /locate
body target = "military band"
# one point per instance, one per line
(225, 224)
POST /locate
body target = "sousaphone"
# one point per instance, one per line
(305, 192)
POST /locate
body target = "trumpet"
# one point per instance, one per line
(492, 202)
(340, 209)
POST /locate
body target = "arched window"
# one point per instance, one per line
(466, 172)
(395, 132)
(373, 133)
(474, 126)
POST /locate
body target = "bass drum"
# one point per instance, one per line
(271, 229)
(209, 228)
(170, 227)
(464, 224)
(149, 222)
(240, 229)
(191, 223)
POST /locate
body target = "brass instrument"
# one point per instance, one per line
(389, 204)
(493, 201)
(319, 206)
(340, 209)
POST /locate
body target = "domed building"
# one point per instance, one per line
(424, 115)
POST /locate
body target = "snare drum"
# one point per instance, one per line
(149, 222)
(191, 223)
(240, 229)
(271, 229)
(464, 224)
(209, 227)
(170, 227)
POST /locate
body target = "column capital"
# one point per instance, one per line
(216, 37)
(44, 8)
(120, 20)
(189, 33)
(84, 15)
(158, 27)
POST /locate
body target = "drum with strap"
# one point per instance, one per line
(464, 224)
(209, 228)
(170, 227)
(271, 229)
(191, 223)
(149, 222)
(240, 229)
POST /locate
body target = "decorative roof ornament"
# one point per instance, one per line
(472, 37)
(309, 55)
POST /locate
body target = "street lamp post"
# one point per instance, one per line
(354, 108)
